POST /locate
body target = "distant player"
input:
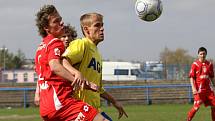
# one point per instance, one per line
(56, 103)
(201, 77)
(84, 55)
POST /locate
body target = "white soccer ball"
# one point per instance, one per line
(148, 10)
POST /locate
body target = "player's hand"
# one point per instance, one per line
(91, 86)
(78, 82)
(120, 109)
(82, 83)
(195, 92)
(37, 99)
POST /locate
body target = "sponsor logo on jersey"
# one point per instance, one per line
(44, 85)
(95, 65)
(80, 117)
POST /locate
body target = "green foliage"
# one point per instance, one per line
(10, 60)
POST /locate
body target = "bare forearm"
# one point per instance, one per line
(68, 66)
(59, 70)
(193, 86)
(116, 104)
(108, 97)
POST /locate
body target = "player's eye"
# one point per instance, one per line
(98, 24)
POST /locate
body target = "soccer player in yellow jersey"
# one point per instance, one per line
(83, 54)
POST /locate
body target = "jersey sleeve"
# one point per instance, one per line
(211, 72)
(55, 50)
(75, 52)
(192, 71)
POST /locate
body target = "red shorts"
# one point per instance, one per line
(57, 104)
(207, 98)
(74, 111)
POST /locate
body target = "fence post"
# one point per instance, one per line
(190, 94)
(25, 98)
(149, 102)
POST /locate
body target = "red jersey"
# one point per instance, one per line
(56, 102)
(50, 48)
(202, 73)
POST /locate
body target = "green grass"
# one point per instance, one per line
(170, 112)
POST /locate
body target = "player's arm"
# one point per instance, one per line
(116, 104)
(211, 74)
(193, 86)
(78, 76)
(37, 95)
(192, 76)
(71, 69)
(58, 69)
(55, 50)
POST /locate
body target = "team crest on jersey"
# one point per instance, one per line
(204, 69)
(57, 51)
(86, 108)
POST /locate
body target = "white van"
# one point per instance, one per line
(112, 71)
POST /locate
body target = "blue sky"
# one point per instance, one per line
(186, 24)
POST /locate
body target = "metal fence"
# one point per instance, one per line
(127, 94)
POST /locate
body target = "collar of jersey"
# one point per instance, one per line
(88, 40)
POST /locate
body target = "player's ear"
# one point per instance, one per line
(86, 29)
(46, 29)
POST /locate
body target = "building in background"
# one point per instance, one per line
(112, 71)
(20, 76)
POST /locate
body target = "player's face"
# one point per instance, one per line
(96, 30)
(202, 55)
(66, 38)
(56, 26)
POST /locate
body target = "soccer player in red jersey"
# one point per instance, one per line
(69, 35)
(201, 76)
(56, 103)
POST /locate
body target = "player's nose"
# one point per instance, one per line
(62, 23)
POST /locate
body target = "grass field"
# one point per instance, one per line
(165, 112)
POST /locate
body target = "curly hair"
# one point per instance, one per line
(71, 31)
(42, 18)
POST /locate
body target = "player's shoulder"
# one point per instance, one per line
(196, 63)
(41, 46)
(78, 42)
(208, 62)
(51, 40)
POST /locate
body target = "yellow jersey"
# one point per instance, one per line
(85, 57)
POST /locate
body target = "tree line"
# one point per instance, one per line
(10, 60)
(179, 56)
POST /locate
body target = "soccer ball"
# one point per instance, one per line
(148, 10)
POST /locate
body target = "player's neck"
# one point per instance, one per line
(202, 60)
